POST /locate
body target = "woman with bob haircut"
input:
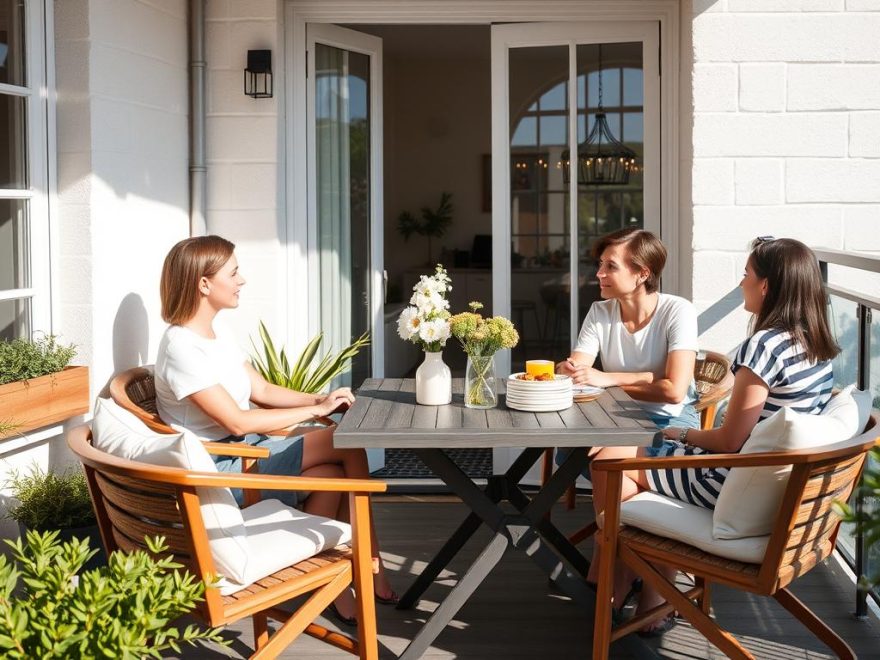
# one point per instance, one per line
(786, 361)
(205, 384)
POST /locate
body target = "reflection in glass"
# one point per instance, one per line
(539, 202)
(15, 319)
(342, 158)
(14, 245)
(603, 209)
(12, 42)
(13, 132)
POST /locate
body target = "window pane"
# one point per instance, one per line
(633, 92)
(554, 99)
(15, 318)
(12, 46)
(13, 132)
(14, 244)
(553, 130)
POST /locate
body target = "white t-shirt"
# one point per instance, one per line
(672, 328)
(189, 363)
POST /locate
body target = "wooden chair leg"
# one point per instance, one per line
(261, 630)
(583, 533)
(803, 614)
(607, 559)
(362, 563)
(705, 599)
(707, 417)
(570, 497)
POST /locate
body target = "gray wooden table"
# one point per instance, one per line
(385, 415)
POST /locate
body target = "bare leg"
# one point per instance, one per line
(318, 450)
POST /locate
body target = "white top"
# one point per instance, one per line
(189, 363)
(794, 381)
(673, 327)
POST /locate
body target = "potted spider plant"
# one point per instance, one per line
(38, 386)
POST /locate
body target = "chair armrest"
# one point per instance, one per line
(235, 449)
(282, 482)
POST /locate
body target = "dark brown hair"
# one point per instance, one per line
(645, 251)
(795, 299)
(187, 263)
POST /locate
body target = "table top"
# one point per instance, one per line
(386, 415)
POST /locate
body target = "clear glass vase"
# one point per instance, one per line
(479, 382)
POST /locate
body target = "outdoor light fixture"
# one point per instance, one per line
(258, 74)
(602, 159)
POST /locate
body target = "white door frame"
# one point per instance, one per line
(333, 35)
(293, 123)
(505, 37)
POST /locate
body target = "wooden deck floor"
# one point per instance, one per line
(516, 615)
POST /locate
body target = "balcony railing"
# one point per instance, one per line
(856, 335)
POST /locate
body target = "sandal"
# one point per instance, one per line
(349, 621)
(392, 599)
(659, 629)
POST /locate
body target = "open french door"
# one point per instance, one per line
(344, 173)
(551, 82)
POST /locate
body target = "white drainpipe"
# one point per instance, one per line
(198, 171)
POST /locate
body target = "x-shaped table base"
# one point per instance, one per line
(529, 531)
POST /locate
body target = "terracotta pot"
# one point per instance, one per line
(38, 402)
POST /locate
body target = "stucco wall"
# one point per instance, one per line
(785, 138)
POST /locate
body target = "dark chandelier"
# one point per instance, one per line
(602, 159)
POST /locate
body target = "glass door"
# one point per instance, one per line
(344, 186)
(576, 154)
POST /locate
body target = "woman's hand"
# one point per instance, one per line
(671, 433)
(341, 397)
(582, 374)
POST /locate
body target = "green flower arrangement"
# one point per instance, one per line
(481, 338)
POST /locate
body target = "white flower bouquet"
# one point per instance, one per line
(426, 321)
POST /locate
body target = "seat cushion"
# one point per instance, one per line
(280, 536)
(750, 498)
(674, 519)
(118, 432)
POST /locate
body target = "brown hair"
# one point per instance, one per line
(645, 251)
(795, 299)
(187, 263)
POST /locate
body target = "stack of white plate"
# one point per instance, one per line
(539, 395)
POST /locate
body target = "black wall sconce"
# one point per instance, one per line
(258, 74)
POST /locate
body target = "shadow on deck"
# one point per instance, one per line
(516, 615)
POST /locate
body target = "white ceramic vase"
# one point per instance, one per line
(433, 381)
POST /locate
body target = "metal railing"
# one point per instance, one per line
(865, 307)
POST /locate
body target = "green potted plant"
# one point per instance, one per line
(433, 222)
(50, 501)
(867, 521)
(276, 368)
(50, 608)
(38, 386)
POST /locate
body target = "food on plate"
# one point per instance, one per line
(541, 377)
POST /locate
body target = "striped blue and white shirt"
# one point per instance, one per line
(794, 381)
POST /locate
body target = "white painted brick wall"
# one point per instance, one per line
(804, 137)
(864, 134)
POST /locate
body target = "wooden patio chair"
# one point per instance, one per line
(133, 500)
(713, 380)
(804, 534)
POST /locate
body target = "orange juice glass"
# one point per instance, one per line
(539, 367)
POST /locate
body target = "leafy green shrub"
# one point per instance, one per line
(123, 610)
(22, 359)
(867, 521)
(49, 500)
(276, 368)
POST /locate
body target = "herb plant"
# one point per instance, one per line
(49, 500)
(22, 359)
(275, 367)
(126, 609)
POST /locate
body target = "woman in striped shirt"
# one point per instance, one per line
(785, 362)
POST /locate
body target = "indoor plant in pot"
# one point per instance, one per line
(38, 387)
(60, 501)
(425, 322)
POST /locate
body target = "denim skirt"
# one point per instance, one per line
(285, 458)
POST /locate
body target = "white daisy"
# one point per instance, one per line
(408, 323)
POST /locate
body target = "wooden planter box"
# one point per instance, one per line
(32, 404)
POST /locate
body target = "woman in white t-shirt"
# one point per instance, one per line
(206, 384)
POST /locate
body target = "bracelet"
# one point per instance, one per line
(682, 436)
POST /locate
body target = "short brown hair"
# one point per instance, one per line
(795, 300)
(645, 251)
(187, 263)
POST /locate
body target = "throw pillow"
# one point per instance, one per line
(750, 498)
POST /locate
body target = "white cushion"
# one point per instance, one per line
(246, 544)
(120, 433)
(750, 498)
(674, 519)
(855, 417)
